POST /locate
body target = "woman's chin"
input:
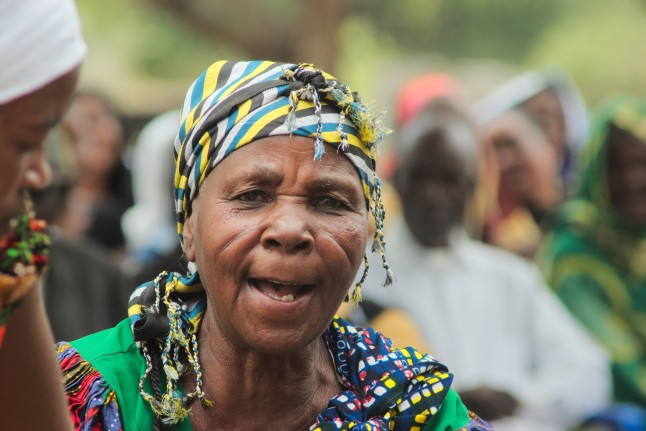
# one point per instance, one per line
(281, 341)
(275, 340)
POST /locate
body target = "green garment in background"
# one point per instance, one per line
(597, 264)
(114, 354)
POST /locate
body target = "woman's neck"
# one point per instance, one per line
(251, 390)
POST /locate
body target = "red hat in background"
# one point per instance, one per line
(415, 94)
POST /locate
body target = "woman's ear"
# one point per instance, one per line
(187, 239)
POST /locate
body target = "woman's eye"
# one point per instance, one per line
(330, 202)
(252, 196)
(27, 147)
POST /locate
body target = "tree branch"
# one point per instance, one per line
(248, 39)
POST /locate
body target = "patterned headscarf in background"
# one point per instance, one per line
(230, 105)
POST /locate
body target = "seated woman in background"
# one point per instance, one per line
(595, 258)
(528, 187)
(100, 191)
(537, 123)
(275, 233)
(552, 99)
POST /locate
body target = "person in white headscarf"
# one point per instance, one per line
(41, 48)
(149, 225)
(554, 102)
(536, 124)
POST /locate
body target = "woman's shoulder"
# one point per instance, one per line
(410, 388)
(92, 402)
(101, 377)
(114, 343)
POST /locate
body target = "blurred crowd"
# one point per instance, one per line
(109, 208)
(516, 229)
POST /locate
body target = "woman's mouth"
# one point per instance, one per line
(283, 291)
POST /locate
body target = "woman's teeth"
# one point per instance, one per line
(286, 298)
(279, 290)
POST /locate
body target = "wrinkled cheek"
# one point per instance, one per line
(222, 282)
(344, 248)
(227, 248)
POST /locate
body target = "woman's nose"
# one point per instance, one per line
(38, 172)
(288, 231)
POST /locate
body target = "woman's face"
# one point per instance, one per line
(548, 111)
(436, 179)
(277, 239)
(95, 134)
(528, 164)
(24, 124)
(627, 176)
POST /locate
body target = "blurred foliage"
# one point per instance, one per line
(462, 28)
(169, 42)
(602, 47)
(283, 30)
(151, 40)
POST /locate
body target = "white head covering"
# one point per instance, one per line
(523, 87)
(40, 41)
(150, 225)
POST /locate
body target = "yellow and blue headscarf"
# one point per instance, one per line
(229, 105)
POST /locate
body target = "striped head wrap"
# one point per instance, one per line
(228, 106)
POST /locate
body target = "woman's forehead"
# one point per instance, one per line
(270, 159)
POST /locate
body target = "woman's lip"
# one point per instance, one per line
(287, 283)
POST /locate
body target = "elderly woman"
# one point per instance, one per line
(273, 185)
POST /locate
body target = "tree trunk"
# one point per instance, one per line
(311, 36)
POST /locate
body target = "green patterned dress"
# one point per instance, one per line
(597, 263)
